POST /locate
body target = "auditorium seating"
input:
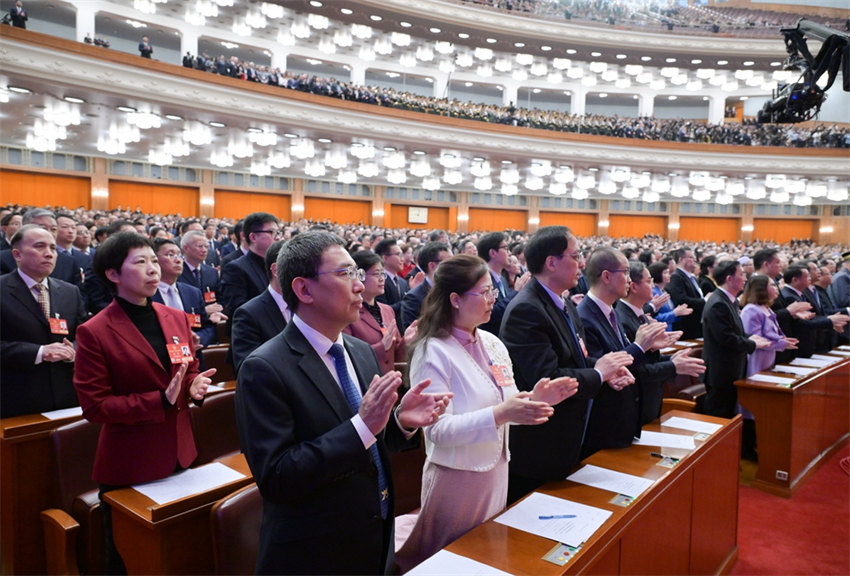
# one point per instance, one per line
(73, 531)
(215, 356)
(235, 524)
(214, 427)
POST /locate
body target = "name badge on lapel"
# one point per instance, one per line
(502, 375)
(179, 352)
(58, 325)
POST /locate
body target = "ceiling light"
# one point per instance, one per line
(434, 30)
(545, 48)
(463, 35)
(346, 11)
(216, 124)
(375, 18)
(74, 100)
(646, 58)
(315, 4)
(490, 40)
(121, 108)
(722, 62)
(174, 117)
(404, 24)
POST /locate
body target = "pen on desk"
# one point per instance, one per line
(557, 517)
(660, 455)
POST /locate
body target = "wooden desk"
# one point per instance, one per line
(797, 427)
(27, 489)
(171, 538)
(686, 523)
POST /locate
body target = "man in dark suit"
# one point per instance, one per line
(18, 15)
(656, 368)
(145, 48)
(493, 249)
(313, 419)
(615, 416)
(430, 257)
(725, 345)
(213, 259)
(395, 287)
(543, 335)
(64, 268)
(683, 289)
(244, 278)
(38, 327)
(807, 331)
(9, 224)
(197, 273)
(261, 318)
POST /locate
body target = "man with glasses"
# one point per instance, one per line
(544, 336)
(493, 249)
(245, 277)
(395, 287)
(430, 257)
(684, 289)
(615, 415)
(197, 272)
(315, 419)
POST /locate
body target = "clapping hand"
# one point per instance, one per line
(554, 391)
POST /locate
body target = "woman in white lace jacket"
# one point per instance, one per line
(465, 477)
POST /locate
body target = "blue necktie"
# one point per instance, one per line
(574, 334)
(501, 288)
(612, 319)
(353, 397)
(197, 274)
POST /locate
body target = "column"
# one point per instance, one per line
(533, 214)
(603, 218)
(509, 94)
(441, 82)
(716, 108)
(279, 59)
(297, 205)
(673, 222)
(207, 193)
(189, 43)
(462, 222)
(99, 184)
(578, 101)
(85, 20)
(646, 104)
(378, 216)
(746, 232)
(358, 75)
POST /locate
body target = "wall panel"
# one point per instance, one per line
(237, 205)
(783, 230)
(490, 220)
(338, 211)
(709, 229)
(580, 224)
(154, 198)
(37, 189)
(636, 226)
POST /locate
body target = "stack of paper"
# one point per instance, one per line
(771, 379)
(616, 482)
(188, 482)
(665, 440)
(555, 518)
(816, 361)
(797, 370)
(690, 424)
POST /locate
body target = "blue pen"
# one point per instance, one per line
(557, 517)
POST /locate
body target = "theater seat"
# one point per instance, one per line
(235, 524)
(215, 356)
(214, 427)
(73, 531)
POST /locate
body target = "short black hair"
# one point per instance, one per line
(8, 218)
(301, 257)
(490, 241)
(763, 256)
(724, 269)
(794, 272)
(254, 222)
(364, 259)
(271, 257)
(159, 242)
(111, 254)
(547, 241)
(429, 253)
(656, 270)
(383, 247)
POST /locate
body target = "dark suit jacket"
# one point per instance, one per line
(256, 322)
(649, 376)
(193, 302)
(241, 280)
(213, 257)
(119, 380)
(494, 324)
(411, 304)
(28, 388)
(392, 297)
(318, 483)
(233, 255)
(538, 339)
(226, 250)
(614, 416)
(209, 279)
(366, 328)
(682, 291)
(806, 331)
(725, 350)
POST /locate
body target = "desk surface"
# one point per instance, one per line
(521, 552)
(19, 426)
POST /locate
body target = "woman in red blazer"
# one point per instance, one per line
(376, 325)
(136, 373)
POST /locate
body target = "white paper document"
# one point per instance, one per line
(545, 516)
(692, 425)
(844, 347)
(445, 562)
(816, 361)
(771, 379)
(840, 352)
(798, 370)
(188, 482)
(686, 344)
(64, 413)
(606, 479)
(664, 440)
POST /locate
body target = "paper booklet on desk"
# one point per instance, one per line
(605, 479)
(64, 413)
(690, 425)
(796, 370)
(445, 562)
(816, 361)
(554, 518)
(771, 379)
(188, 482)
(663, 440)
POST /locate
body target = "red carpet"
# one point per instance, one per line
(807, 534)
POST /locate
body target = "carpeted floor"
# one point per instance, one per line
(808, 534)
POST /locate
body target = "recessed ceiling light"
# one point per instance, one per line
(672, 97)
(253, 130)
(290, 135)
(570, 50)
(596, 54)
(123, 108)
(315, 4)
(507, 162)
(419, 152)
(173, 117)
(216, 124)
(722, 62)
(645, 58)
(478, 159)
(519, 44)
(546, 48)
(324, 140)
(775, 64)
(670, 60)
(468, 84)
(462, 35)
(19, 90)
(593, 169)
(490, 40)
(375, 18)
(603, 94)
(635, 97)
(346, 11)
(435, 30)
(742, 98)
(536, 90)
(705, 98)
(74, 100)
(748, 62)
(404, 24)
(621, 56)
(696, 61)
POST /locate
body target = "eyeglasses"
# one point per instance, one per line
(377, 274)
(350, 272)
(274, 233)
(577, 256)
(623, 270)
(488, 295)
(171, 255)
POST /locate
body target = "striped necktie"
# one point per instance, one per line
(43, 300)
